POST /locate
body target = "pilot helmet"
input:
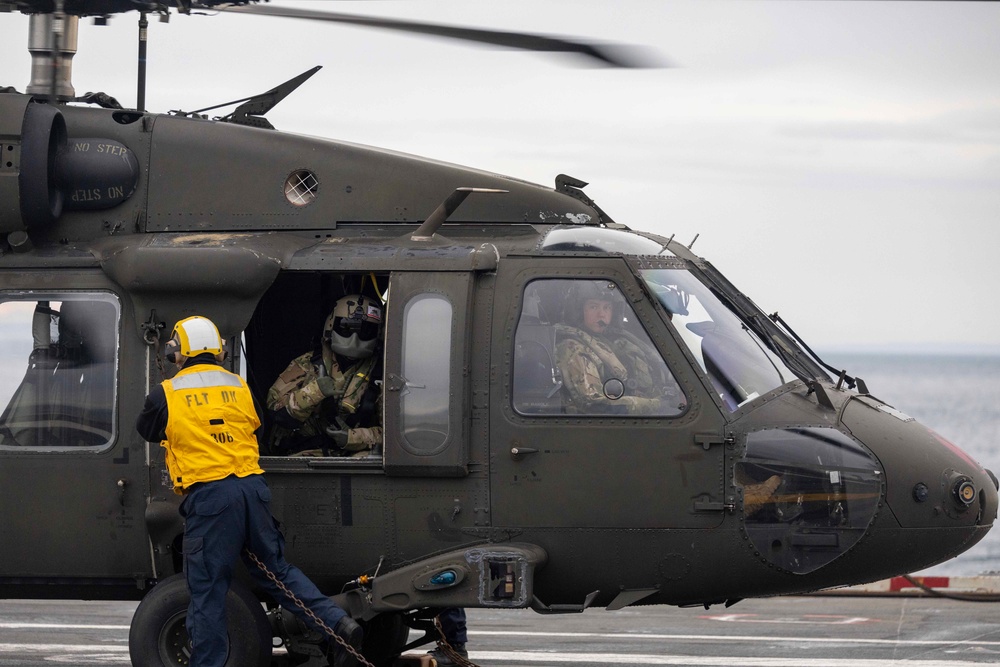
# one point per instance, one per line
(193, 336)
(352, 329)
(585, 290)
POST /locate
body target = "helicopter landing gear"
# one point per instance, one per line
(158, 636)
(385, 638)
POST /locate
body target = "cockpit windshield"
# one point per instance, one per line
(740, 367)
(574, 238)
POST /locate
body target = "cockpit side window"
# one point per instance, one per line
(579, 349)
(58, 355)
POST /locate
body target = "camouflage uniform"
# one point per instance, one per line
(587, 361)
(296, 394)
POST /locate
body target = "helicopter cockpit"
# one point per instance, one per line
(809, 490)
(737, 356)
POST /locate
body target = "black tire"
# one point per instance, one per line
(159, 638)
(385, 637)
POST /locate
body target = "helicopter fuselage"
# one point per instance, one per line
(757, 474)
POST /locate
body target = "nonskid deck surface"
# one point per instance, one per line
(834, 631)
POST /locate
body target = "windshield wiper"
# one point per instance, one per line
(787, 356)
(747, 311)
(756, 341)
(793, 360)
(840, 373)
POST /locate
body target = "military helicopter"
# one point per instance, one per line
(752, 468)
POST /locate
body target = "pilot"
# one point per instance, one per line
(329, 402)
(604, 368)
(206, 420)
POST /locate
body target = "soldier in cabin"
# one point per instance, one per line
(329, 402)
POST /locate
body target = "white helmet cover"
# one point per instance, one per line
(197, 335)
(352, 329)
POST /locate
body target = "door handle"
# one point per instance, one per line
(517, 453)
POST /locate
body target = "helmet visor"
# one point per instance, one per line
(348, 326)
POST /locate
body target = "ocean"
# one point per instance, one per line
(957, 396)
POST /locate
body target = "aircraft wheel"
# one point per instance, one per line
(385, 637)
(158, 636)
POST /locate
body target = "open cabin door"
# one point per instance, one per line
(426, 392)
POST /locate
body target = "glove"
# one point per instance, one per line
(326, 385)
(339, 436)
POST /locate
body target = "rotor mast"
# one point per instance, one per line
(52, 43)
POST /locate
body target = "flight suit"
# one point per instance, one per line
(204, 417)
(587, 361)
(302, 411)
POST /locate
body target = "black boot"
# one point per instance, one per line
(348, 630)
(443, 658)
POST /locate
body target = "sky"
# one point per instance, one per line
(839, 161)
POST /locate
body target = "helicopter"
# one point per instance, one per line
(767, 471)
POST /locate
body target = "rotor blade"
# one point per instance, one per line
(615, 55)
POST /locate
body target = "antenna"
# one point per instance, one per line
(140, 95)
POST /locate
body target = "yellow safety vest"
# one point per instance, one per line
(210, 427)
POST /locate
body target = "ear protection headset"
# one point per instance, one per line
(170, 350)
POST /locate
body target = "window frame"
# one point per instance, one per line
(657, 334)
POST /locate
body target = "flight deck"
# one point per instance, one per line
(825, 631)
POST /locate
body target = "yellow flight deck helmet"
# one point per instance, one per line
(193, 336)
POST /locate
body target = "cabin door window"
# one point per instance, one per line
(58, 355)
(426, 392)
(426, 366)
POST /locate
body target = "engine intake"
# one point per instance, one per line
(54, 173)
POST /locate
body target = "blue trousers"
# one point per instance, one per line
(453, 624)
(221, 518)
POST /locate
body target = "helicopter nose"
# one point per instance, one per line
(931, 484)
(996, 482)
